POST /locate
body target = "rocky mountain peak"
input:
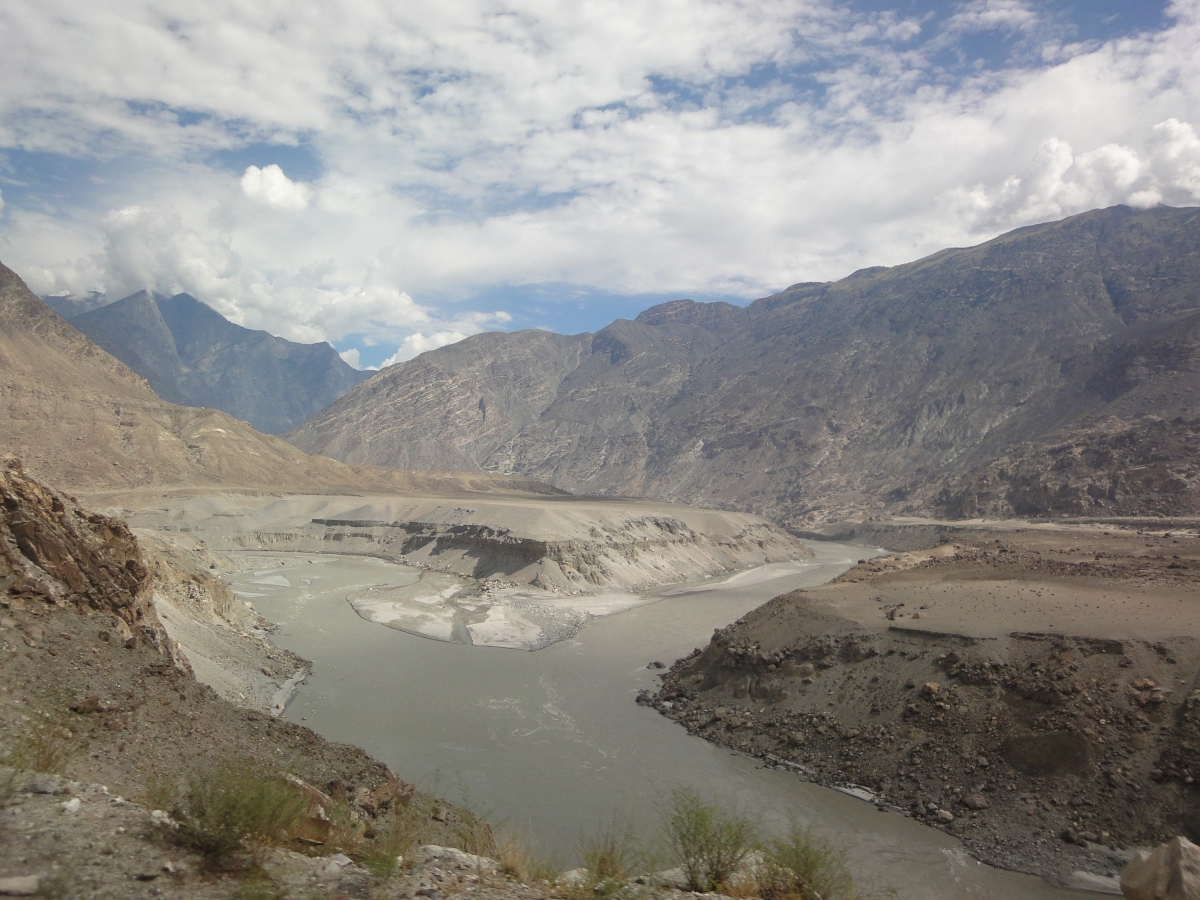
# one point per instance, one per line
(689, 312)
(192, 355)
(1011, 376)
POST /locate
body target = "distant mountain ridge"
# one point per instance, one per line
(81, 420)
(1053, 370)
(192, 355)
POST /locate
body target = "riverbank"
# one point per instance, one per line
(552, 744)
(1032, 691)
(501, 571)
(101, 716)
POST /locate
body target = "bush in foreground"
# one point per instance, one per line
(613, 853)
(804, 866)
(233, 809)
(709, 843)
(46, 743)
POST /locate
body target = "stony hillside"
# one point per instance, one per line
(192, 355)
(81, 419)
(99, 705)
(1051, 370)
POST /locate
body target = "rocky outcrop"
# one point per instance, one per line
(1169, 872)
(638, 552)
(1053, 371)
(1029, 749)
(53, 550)
(1049, 748)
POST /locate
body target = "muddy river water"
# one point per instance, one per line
(551, 743)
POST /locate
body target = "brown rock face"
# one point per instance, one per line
(53, 550)
(1053, 370)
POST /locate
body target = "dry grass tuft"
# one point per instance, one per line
(518, 859)
(46, 742)
(234, 809)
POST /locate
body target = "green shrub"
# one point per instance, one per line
(804, 866)
(395, 838)
(708, 842)
(232, 809)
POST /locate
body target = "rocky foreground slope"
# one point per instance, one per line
(1034, 692)
(192, 355)
(93, 687)
(1053, 370)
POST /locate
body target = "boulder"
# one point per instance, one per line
(1169, 872)
(391, 791)
(450, 858)
(975, 801)
(87, 705)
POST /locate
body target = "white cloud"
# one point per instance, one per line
(984, 15)
(1, 201)
(147, 248)
(351, 358)
(624, 146)
(416, 344)
(1059, 183)
(1174, 161)
(270, 186)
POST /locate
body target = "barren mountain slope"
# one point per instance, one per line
(80, 419)
(461, 402)
(893, 389)
(190, 354)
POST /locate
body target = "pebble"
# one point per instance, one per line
(20, 885)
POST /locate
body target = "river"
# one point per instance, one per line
(551, 743)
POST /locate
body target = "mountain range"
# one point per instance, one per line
(192, 355)
(82, 420)
(1054, 370)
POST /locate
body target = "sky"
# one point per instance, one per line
(391, 177)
